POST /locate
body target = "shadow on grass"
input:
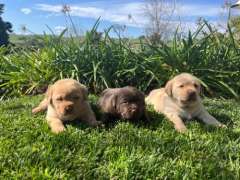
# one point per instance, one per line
(77, 124)
(156, 121)
(223, 118)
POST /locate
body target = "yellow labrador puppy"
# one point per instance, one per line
(66, 100)
(180, 100)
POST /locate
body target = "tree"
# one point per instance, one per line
(229, 16)
(5, 28)
(159, 14)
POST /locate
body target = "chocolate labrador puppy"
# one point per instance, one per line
(123, 103)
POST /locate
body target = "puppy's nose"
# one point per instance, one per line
(69, 108)
(134, 108)
(192, 95)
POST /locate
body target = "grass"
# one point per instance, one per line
(28, 150)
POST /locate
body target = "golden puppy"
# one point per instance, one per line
(179, 100)
(66, 100)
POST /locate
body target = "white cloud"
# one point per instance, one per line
(112, 14)
(198, 10)
(59, 29)
(119, 12)
(49, 8)
(26, 10)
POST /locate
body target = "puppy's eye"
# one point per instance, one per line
(195, 85)
(181, 86)
(59, 98)
(76, 97)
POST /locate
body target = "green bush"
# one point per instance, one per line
(211, 56)
(99, 61)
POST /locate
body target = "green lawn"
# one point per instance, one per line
(28, 150)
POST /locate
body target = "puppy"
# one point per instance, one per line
(66, 100)
(124, 103)
(180, 99)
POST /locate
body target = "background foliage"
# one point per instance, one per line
(99, 61)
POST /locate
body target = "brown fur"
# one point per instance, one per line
(125, 103)
(66, 100)
(180, 99)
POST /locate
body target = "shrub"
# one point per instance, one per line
(99, 61)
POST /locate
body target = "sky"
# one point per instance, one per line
(41, 16)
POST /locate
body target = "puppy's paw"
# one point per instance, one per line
(97, 124)
(58, 129)
(181, 128)
(35, 110)
(222, 126)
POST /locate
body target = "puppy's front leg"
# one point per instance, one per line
(41, 107)
(209, 119)
(55, 124)
(177, 121)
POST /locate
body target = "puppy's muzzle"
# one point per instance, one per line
(133, 109)
(68, 109)
(192, 95)
(132, 113)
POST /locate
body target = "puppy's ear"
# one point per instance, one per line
(141, 96)
(199, 83)
(113, 102)
(108, 102)
(137, 92)
(168, 88)
(200, 88)
(49, 93)
(84, 92)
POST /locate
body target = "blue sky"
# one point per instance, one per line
(36, 15)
